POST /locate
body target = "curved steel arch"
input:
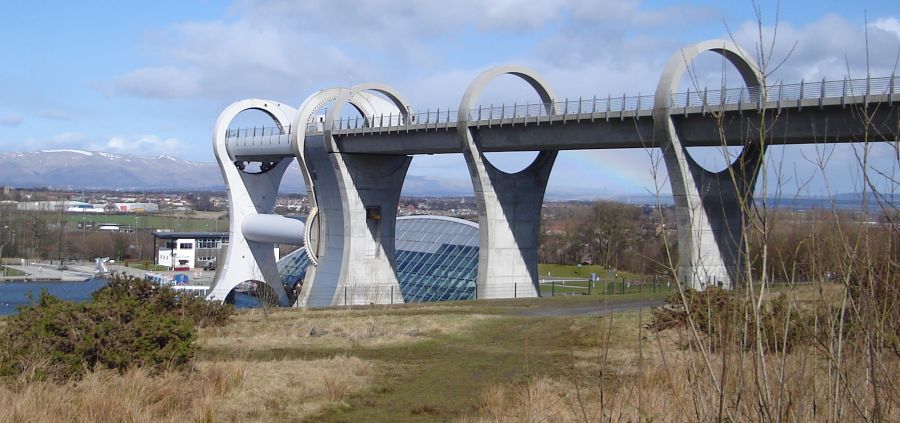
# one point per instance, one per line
(248, 194)
(709, 205)
(509, 212)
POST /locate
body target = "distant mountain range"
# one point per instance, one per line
(77, 169)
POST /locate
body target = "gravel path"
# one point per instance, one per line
(599, 308)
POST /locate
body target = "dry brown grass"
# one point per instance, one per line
(216, 391)
(255, 330)
(536, 400)
(241, 389)
(632, 374)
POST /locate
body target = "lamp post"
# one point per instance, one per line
(137, 238)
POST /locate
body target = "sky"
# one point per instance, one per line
(152, 77)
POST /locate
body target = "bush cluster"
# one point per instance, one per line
(198, 311)
(727, 318)
(129, 323)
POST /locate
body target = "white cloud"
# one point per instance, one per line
(12, 119)
(829, 47)
(65, 140)
(282, 47)
(141, 145)
(159, 82)
(431, 50)
(129, 144)
(889, 24)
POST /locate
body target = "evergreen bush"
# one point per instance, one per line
(129, 323)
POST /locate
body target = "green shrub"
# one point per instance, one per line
(130, 323)
(200, 312)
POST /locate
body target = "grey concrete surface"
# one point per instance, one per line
(352, 170)
(709, 206)
(356, 200)
(38, 271)
(509, 204)
(832, 122)
(249, 194)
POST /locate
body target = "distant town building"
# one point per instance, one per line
(80, 207)
(136, 207)
(84, 207)
(188, 250)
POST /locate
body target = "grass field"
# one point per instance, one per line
(180, 223)
(8, 271)
(150, 266)
(584, 271)
(430, 362)
(470, 361)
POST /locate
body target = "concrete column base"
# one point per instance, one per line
(710, 207)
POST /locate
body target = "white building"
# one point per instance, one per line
(136, 207)
(73, 206)
(188, 250)
(80, 207)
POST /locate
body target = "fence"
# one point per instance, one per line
(383, 294)
(756, 96)
(371, 294)
(445, 118)
(358, 294)
(614, 286)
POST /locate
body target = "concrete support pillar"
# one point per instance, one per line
(356, 207)
(509, 205)
(249, 194)
(710, 207)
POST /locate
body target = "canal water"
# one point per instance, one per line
(15, 294)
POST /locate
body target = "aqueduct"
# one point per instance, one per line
(354, 169)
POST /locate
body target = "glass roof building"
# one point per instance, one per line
(436, 259)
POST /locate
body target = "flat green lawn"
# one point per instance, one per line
(178, 224)
(150, 266)
(573, 271)
(8, 271)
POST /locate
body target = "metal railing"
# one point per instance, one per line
(263, 131)
(638, 105)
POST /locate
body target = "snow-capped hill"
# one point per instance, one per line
(86, 153)
(95, 169)
(77, 169)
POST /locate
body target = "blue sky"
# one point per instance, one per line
(151, 77)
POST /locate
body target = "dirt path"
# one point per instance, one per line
(598, 308)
